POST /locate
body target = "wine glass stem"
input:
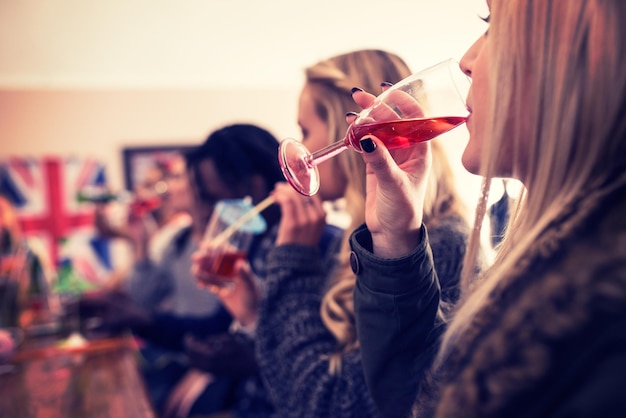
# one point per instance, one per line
(326, 153)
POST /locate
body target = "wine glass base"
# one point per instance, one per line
(294, 162)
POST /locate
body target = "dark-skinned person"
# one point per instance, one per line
(161, 302)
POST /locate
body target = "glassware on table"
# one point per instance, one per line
(69, 287)
(10, 339)
(416, 109)
(228, 237)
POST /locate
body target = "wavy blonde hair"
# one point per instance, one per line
(558, 106)
(330, 82)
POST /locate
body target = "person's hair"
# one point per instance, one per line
(330, 82)
(558, 107)
(14, 242)
(239, 152)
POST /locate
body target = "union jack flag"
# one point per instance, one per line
(44, 191)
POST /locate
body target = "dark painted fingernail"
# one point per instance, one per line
(386, 84)
(367, 145)
(351, 114)
(355, 89)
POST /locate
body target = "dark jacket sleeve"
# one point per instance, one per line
(397, 305)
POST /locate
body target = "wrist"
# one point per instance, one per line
(248, 328)
(248, 319)
(396, 245)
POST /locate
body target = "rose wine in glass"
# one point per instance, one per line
(416, 109)
(404, 133)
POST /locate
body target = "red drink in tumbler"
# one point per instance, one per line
(404, 133)
(220, 264)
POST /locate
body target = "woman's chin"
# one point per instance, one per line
(471, 162)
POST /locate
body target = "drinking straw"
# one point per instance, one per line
(228, 232)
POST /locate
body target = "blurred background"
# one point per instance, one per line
(86, 85)
(92, 77)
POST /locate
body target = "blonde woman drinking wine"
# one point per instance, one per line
(541, 332)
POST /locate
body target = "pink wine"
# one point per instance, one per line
(403, 133)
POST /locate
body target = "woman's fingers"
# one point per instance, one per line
(245, 274)
(363, 98)
(351, 117)
(302, 217)
(395, 189)
(381, 164)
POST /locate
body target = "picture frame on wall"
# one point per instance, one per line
(143, 164)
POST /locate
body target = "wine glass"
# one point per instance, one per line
(416, 109)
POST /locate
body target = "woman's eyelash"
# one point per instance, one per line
(486, 19)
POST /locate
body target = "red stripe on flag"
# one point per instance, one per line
(57, 222)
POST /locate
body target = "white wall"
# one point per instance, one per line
(90, 77)
(101, 122)
(224, 43)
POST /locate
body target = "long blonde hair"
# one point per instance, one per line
(558, 103)
(330, 82)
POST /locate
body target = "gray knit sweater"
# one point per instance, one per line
(293, 344)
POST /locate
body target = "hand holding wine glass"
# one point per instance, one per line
(396, 184)
(416, 109)
(395, 197)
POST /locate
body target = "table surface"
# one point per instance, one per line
(99, 379)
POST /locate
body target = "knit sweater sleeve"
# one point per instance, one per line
(293, 344)
(448, 241)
